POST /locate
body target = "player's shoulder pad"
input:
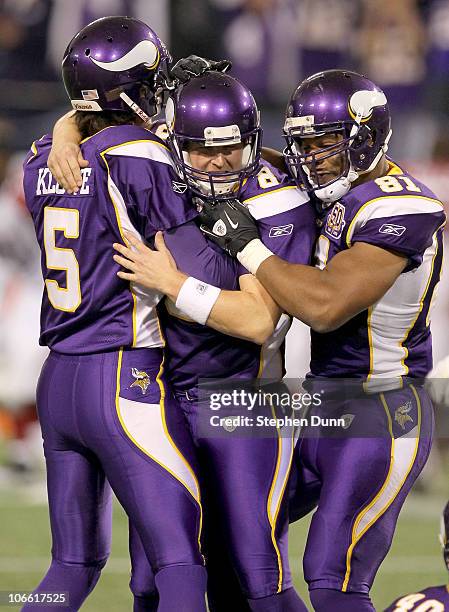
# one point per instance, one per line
(271, 192)
(40, 148)
(395, 195)
(128, 141)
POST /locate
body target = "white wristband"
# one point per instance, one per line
(196, 299)
(253, 255)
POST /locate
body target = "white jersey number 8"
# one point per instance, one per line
(65, 220)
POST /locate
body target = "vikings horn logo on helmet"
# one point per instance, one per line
(362, 103)
(144, 52)
(142, 380)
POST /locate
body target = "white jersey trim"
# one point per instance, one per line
(146, 331)
(392, 318)
(388, 206)
(145, 149)
(275, 202)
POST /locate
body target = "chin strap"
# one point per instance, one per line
(136, 108)
(340, 188)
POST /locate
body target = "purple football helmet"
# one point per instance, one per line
(112, 64)
(214, 110)
(336, 102)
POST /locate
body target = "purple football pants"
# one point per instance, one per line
(243, 481)
(360, 485)
(110, 416)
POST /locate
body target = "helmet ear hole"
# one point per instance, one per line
(365, 136)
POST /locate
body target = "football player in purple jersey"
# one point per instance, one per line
(368, 302)
(431, 599)
(215, 139)
(106, 412)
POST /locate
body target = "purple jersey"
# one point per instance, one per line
(286, 221)
(392, 338)
(432, 599)
(129, 185)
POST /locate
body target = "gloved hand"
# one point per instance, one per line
(193, 66)
(229, 224)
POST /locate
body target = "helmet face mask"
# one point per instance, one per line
(113, 64)
(214, 115)
(344, 104)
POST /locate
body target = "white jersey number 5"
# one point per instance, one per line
(65, 220)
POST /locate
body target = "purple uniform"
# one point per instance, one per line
(392, 338)
(128, 185)
(195, 351)
(432, 599)
(362, 479)
(103, 402)
(254, 531)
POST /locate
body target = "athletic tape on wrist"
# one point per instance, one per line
(196, 299)
(253, 255)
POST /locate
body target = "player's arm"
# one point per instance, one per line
(326, 299)
(66, 160)
(323, 299)
(250, 314)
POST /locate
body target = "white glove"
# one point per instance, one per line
(437, 383)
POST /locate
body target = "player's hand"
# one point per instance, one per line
(65, 162)
(229, 224)
(193, 66)
(154, 269)
(437, 383)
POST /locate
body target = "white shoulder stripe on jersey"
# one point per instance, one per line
(145, 149)
(145, 320)
(275, 202)
(391, 207)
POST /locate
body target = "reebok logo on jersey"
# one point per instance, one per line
(179, 187)
(219, 228)
(390, 228)
(281, 230)
(231, 223)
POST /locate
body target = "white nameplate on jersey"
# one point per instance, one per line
(281, 230)
(390, 228)
(46, 184)
(336, 221)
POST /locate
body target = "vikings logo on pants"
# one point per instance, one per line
(359, 480)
